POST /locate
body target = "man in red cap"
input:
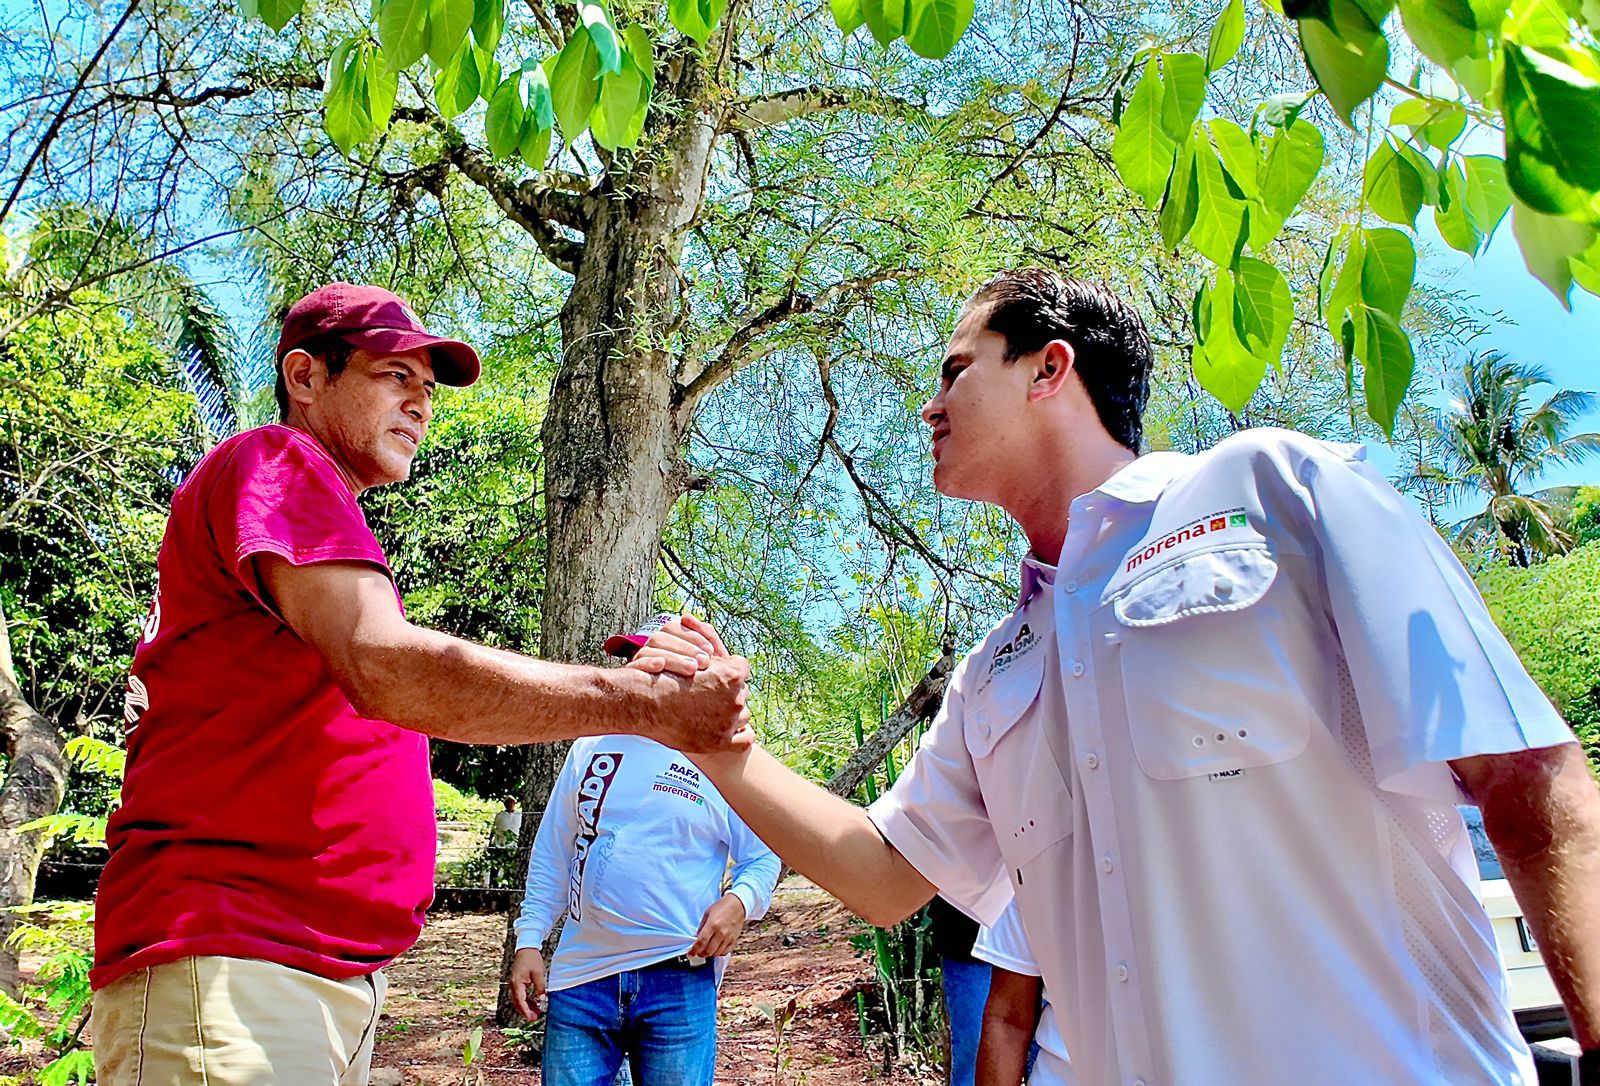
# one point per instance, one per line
(275, 844)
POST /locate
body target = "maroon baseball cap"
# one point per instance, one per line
(377, 319)
(625, 645)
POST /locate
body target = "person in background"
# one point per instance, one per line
(964, 982)
(1020, 1039)
(632, 852)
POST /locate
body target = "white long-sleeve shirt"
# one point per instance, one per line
(633, 847)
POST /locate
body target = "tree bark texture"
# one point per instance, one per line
(36, 779)
(921, 704)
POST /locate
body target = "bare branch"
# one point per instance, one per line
(766, 110)
(921, 704)
(738, 348)
(537, 210)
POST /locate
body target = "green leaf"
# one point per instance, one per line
(1347, 54)
(1427, 172)
(1182, 199)
(1454, 221)
(1240, 156)
(1222, 365)
(504, 122)
(604, 36)
(685, 16)
(456, 86)
(383, 83)
(1281, 110)
(1448, 124)
(1227, 34)
(712, 10)
(934, 26)
(277, 13)
(537, 99)
(1488, 191)
(448, 23)
(612, 115)
(1263, 309)
(1388, 267)
(1341, 280)
(345, 115)
(1142, 150)
(488, 20)
(488, 71)
(535, 147)
(1552, 112)
(1387, 363)
(885, 18)
(1294, 157)
(1445, 31)
(847, 15)
(1219, 215)
(1392, 188)
(1586, 269)
(1549, 242)
(637, 40)
(573, 85)
(1183, 92)
(1538, 23)
(403, 31)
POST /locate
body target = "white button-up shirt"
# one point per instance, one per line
(1209, 760)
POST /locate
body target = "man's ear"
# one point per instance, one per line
(299, 371)
(1051, 365)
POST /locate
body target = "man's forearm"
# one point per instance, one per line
(454, 689)
(829, 840)
(1542, 812)
(1010, 1017)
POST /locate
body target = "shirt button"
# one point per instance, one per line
(1077, 669)
(1122, 972)
(1138, 1082)
(1106, 865)
(1224, 587)
(1071, 586)
(1092, 761)
(983, 731)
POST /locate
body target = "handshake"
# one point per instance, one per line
(697, 701)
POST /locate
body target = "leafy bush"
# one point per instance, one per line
(450, 804)
(1551, 615)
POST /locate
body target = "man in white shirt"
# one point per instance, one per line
(507, 824)
(1215, 749)
(1018, 1013)
(633, 847)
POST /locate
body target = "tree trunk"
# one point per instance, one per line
(613, 432)
(36, 779)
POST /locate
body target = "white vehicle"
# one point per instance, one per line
(1534, 999)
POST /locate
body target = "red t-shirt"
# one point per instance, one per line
(262, 816)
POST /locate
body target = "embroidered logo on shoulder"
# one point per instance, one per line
(1227, 520)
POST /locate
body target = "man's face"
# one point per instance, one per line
(374, 415)
(978, 413)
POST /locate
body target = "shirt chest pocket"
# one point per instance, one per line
(1028, 800)
(1205, 667)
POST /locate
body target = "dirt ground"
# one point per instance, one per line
(446, 986)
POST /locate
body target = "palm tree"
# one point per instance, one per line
(1491, 443)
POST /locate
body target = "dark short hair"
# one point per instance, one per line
(334, 352)
(1030, 307)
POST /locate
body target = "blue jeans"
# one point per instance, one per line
(662, 1020)
(966, 990)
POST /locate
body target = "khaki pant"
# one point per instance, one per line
(234, 1022)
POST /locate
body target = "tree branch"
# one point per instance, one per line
(537, 210)
(921, 704)
(766, 110)
(753, 327)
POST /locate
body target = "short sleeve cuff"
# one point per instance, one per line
(980, 890)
